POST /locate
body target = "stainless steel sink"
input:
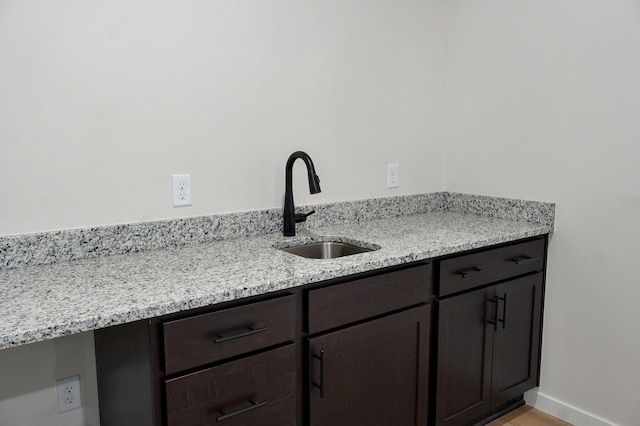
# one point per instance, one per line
(325, 250)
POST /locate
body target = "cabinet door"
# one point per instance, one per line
(517, 340)
(465, 343)
(375, 373)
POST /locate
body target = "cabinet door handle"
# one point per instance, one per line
(494, 323)
(253, 405)
(524, 259)
(471, 272)
(249, 332)
(504, 311)
(321, 384)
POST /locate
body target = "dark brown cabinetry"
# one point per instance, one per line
(233, 366)
(255, 390)
(447, 342)
(202, 339)
(488, 330)
(362, 342)
(372, 372)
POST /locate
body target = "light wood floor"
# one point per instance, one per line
(527, 416)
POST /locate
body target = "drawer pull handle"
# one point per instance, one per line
(249, 332)
(321, 384)
(471, 272)
(524, 259)
(253, 406)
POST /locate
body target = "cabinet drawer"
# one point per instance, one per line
(473, 270)
(359, 299)
(206, 338)
(256, 390)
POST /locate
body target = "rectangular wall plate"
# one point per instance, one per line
(69, 393)
(392, 175)
(181, 188)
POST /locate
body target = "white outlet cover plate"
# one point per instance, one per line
(181, 188)
(69, 393)
(392, 175)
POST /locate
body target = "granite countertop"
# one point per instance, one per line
(43, 301)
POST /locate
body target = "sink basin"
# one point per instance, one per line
(325, 250)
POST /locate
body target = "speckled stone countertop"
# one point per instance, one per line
(43, 300)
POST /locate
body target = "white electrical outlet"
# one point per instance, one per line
(69, 393)
(392, 175)
(181, 190)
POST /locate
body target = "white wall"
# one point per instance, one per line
(28, 394)
(543, 102)
(103, 100)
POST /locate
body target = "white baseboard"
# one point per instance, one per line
(563, 411)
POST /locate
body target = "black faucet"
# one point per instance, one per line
(291, 218)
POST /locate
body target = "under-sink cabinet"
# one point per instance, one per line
(368, 363)
(488, 326)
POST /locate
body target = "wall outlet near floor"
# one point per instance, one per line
(392, 175)
(69, 394)
(181, 185)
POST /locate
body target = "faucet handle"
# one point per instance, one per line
(302, 217)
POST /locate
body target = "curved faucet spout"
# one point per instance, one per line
(290, 218)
